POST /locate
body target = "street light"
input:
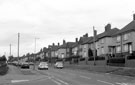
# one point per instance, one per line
(35, 54)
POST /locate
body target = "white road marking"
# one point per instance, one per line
(124, 83)
(105, 82)
(58, 83)
(16, 81)
(85, 77)
(62, 81)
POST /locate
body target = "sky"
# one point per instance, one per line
(51, 21)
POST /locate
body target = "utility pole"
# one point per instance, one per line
(18, 45)
(94, 32)
(35, 54)
(10, 50)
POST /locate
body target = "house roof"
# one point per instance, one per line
(128, 27)
(75, 44)
(63, 46)
(68, 44)
(108, 33)
(83, 40)
(104, 34)
(87, 41)
(54, 48)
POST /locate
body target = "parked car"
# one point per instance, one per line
(43, 65)
(59, 65)
(25, 65)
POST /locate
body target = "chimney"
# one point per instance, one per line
(53, 44)
(76, 39)
(64, 41)
(107, 27)
(49, 46)
(133, 16)
(58, 44)
(86, 34)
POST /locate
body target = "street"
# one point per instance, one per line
(17, 76)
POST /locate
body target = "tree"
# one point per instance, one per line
(10, 58)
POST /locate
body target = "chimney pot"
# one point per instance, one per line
(58, 44)
(133, 16)
(86, 34)
(64, 41)
(76, 39)
(107, 27)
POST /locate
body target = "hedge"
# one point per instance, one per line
(120, 60)
(96, 58)
(82, 59)
(130, 57)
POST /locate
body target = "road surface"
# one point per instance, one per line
(17, 76)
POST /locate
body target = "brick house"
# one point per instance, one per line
(105, 41)
(124, 40)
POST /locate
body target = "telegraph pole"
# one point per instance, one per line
(10, 50)
(35, 54)
(94, 32)
(18, 46)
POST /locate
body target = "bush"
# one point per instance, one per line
(100, 58)
(91, 59)
(82, 59)
(131, 56)
(96, 58)
(119, 60)
(68, 59)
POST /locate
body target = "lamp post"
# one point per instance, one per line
(35, 54)
(18, 45)
(10, 50)
(94, 43)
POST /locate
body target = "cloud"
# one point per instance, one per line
(55, 20)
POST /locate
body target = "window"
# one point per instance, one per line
(118, 38)
(102, 50)
(67, 49)
(126, 36)
(130, 48)
(118, 49)
(125, 48)
(102, 41)
(85, 46)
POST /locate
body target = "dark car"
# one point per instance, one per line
(25, 65)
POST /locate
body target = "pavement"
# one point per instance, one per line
(66, 76)
(123, 71)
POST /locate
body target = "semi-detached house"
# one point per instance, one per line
(124, 40)
(104, 42)
(65, 50)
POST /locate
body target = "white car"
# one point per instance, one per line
(43, 65)
(59, 65)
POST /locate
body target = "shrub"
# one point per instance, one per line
(129, 57)
(91, 59)
(119, 60)
(96, 58)
(100, 58)
(82, 59)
